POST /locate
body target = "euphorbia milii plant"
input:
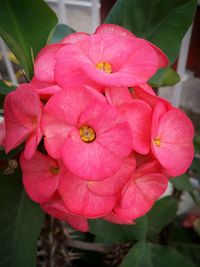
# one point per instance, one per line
(109, 143)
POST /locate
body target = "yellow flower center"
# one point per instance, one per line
(34, 120)
(54, 170)
(104, 66)
(87, 134)
(157, 141)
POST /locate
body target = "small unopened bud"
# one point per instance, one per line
(13, 164)
(8, 171)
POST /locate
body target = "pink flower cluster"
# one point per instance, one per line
(110, 143)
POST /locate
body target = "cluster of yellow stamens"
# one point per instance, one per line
(87, 134)
(104, 66)
(157, 141)
(54, 170)
(34, 120)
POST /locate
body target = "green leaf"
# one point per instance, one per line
(25, 27)
(164, 77)
(163, 256)
(162, 22)
(108, 232)
(60, 31)
(195, 167)
(189, 250)
(197, 144)
(138, 256)
(161, 215)
(178, 233)
(144, 254)
(182, 183)
(5, 89)
(20, 224)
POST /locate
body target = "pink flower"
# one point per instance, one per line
(89, 135)
(146, 93)
(91, 198)
(121, 32)
(91, 58)
(22, 118)
(41, 175)
(44, 89)
(44, 67)
(81, 58)
(144, 188)
(138, 114)
(117, 96)
(122, 95)
(172, 134)
(45, 63)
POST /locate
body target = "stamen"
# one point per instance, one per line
(104, 66)
(54, 170)
(34, 120)
(87, 134)
(157, 141)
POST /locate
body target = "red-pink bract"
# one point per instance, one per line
(45, 63)
(121, 32)
(126, 60)
(65, 114)
(91, 198)
(44, 89)
(81, 201)
(172, 134)
(41, 175)
(23, 110)
(126, 63)
(138, 114)
(114, 184)
(138, 196)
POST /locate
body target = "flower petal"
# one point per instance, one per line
(139, 116)
(89, 161)
(39, 178)
(61, 114)
(79, 200)
(114, 184)
(118, 95)
(56, 208)
(45, 63)
(16, 133)
(175, 132)
(73, 38)
(140, 194)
